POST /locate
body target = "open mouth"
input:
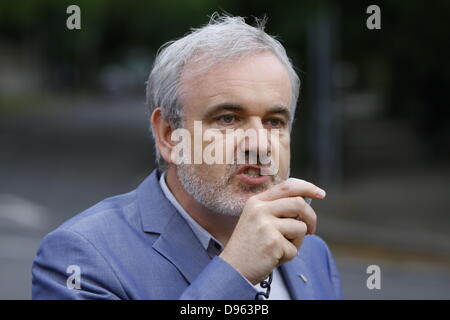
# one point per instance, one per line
(252, 172)
(251, 175)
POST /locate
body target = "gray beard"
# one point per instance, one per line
(217, 196)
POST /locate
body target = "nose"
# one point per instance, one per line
(255, 143)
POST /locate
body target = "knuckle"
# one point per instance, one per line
(264, 227)
(285, 186)
(302, 228)
(272, 242)
(257, 206)
(301, 203)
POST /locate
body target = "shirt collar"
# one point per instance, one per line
(212, 246)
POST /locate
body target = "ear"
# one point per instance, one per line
(162, 132)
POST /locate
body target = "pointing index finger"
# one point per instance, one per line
(292, 187)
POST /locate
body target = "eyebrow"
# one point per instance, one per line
(277, 109)
(282, 110)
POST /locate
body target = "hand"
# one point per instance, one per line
(271, 229)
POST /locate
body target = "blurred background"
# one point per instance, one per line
(372, 126)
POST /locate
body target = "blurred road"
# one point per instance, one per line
(76, 152)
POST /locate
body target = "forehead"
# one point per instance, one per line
(255, 81)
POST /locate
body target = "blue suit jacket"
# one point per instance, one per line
(137, 246)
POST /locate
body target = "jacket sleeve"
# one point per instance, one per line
(67, 266)
(219, 281)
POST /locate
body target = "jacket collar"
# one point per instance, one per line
(154, 208)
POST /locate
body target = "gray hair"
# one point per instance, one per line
(223, 38)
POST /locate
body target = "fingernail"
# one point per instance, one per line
(321, 193)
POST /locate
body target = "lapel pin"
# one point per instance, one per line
(303, 278)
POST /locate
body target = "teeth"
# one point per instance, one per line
(252, 172)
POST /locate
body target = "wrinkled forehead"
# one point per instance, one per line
(256, 76)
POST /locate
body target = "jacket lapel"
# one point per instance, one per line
(177, 243)
(181, 247)
(297, 279)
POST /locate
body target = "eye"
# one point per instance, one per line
(276, 122)
(226, 119)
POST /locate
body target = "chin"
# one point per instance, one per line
(251, 190)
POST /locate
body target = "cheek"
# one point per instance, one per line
(282, 153)
(285, 161)
(281, 146)
(285, 150)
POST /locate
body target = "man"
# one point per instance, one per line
(203, 230)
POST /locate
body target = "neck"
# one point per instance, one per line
(219, 226)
